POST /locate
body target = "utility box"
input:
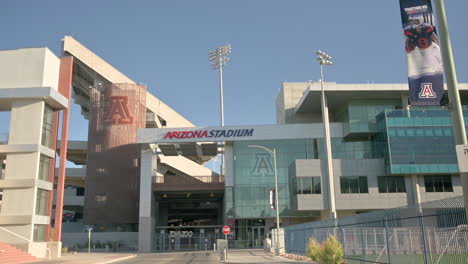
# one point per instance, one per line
(222, 246)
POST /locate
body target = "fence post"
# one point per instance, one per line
(423, 235)
(363, 246)
(387, 240)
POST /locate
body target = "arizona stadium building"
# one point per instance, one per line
(140, 180)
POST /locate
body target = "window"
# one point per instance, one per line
(47, 127)
(39, 233)
(44, 168)
(439, 183)
(308, 185)
(357, 184)
(80, 191)
(42, 199)
(391, 184)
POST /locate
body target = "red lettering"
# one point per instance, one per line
(204, 134)
(119, 114)
(168, 135)
(189, 134)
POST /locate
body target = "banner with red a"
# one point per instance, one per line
(425, 74)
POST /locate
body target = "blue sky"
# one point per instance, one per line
(165, 45)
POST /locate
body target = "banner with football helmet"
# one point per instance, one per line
(425, 74)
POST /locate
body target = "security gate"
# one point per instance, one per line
(186, 238)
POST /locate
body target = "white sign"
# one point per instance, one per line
(462, 156)
(229, 133)
(180, 234)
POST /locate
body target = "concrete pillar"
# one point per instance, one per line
(19, 203)
(416, 201)
(147, 223)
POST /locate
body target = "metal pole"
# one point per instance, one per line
(387, 239)
(221, 98)
(89, 240)
(327, 141)
(277, 204)
(454, 96)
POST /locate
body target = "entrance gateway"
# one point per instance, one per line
(187, 212)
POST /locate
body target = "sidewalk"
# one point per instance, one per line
(89, 258)
(256, 256)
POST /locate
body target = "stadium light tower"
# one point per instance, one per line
(218, 58)
(325, 59)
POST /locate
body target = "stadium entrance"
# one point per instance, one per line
(187, 219)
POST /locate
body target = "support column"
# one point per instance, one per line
(146, 225)
(52, 175)
(415, 191)
(65, 83)
(328, 157)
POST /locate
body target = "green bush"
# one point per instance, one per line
(313, 249)
(331, 251)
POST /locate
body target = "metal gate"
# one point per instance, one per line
(186, 238)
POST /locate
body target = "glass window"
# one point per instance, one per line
(47, 127)
(356, 184)
(391, 184)
(438, 183)
(254, 176)
(39, 233)
(42, 199)
(308, 185)
(44, 168)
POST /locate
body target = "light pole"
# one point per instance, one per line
(324, 58)
(452, 89)
(276, 193)
(218, 58)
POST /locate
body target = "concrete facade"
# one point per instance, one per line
(28, 84)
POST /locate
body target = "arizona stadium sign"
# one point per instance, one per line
(228, 133)
(209, 134)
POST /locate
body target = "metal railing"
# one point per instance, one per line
(436, 232)
(200, 179)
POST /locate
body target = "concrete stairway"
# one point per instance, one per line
(12, 255)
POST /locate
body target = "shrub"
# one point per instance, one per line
(313, 249)
(331, 251)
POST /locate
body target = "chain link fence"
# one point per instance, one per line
(434, 232)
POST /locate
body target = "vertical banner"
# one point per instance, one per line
(425, 74)
(272, 197)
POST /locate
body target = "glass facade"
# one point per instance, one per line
(419, 141)
(254, 177)
(352, 150)
(354, 184)
(39, 233)
(359, 116)
(438, 183)
(44, 168)
(391, 184)
(308, 185)
(41, 202)
(47, 126)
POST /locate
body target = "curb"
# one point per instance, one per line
(115, 260)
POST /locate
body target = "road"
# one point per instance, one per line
(174, 258)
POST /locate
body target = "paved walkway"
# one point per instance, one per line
(194, 257)
(256, 256)
(90, 258)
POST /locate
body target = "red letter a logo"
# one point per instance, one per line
(119, 113)
(426, 91)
